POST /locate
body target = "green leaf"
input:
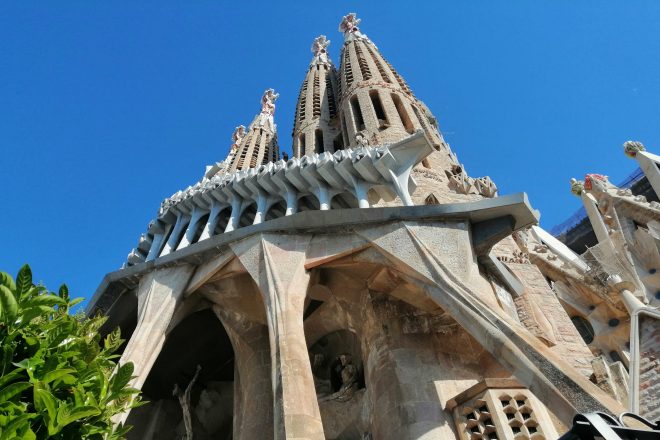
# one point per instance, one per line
(9, 431)
(12, 390)
(56, 374)
(113, 341)
(69, 416)
(44, 400)
(7, 281)
(8, 305)
(64, 292)
(46, 300)
(23, 281)
(122, 377)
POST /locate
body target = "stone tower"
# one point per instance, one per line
(300, 312)
(259, 144)
(315, 127)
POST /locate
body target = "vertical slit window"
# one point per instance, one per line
(357, 113)
(378, 108)
(403, 115)
(316, 97)
(362, 62)
(344, 129)
(338, 142)
(301, 143)
(318, 141)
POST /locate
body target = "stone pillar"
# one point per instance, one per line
(276, 263)
(400, 374)
(253, 395)
(158, 294)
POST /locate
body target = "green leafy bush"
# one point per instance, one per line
(57, 380)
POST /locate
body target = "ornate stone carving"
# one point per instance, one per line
(349, 27)
(486, 186)
(577, 186)
(184, 401)
(237, 137)
(349, 376)
(459, 181)
(319, 49)
(361, 140)
(631, 148)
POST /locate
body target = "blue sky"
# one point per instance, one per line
(106, 108)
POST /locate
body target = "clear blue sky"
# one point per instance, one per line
(106, 108)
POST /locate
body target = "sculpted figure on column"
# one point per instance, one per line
(184, 401)
(237, 137)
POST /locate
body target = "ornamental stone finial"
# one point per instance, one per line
(268, 102)
(631, 148)
(237, 137)
(349, 27)
(577, 186)
(319, 49)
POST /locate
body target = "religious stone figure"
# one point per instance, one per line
(349, 26)
(184, 401)
(268, 102)
(349, 375)
(319, 50)
(349, 23)
(237, 137)
(361, 140)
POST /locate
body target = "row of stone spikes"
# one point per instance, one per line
(385, 169)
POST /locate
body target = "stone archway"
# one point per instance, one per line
(199, 339)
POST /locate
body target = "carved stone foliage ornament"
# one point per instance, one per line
(486, 186)
(319, 49)
(459, 181)
(631, 148)
(577, 186)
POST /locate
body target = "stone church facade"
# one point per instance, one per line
(369, 288)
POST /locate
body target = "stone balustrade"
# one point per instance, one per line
(348, 178)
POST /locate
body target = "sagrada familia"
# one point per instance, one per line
(369, 288)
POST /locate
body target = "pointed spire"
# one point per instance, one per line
(257, 145)
(315, 126)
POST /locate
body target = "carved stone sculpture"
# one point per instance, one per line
(237, 137)
(577, 186)
(361, 140)
(268, 102)
(631, 148)
(459, 181)
(349, 375)
(486, 186)
(319, 49)
(184, 401)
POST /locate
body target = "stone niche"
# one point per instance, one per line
(500, 409)
(199, 339)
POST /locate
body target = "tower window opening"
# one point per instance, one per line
(378, 109)
(332, 107)
(362, 62)
(344, 129)
(316, 97)
(338, 142)
(301, 143)
(318, 141)
(347, 70)
(379, 65)
(357, 113)
(584, 328)
(403, 115)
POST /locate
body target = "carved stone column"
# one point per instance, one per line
(276, 263)
(253, 395)
(158, 294)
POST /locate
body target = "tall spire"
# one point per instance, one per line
(259, 144)
(315, 128)
(376, 102)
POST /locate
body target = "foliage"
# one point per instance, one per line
(56, 379)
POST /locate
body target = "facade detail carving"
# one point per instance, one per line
(314, 316)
